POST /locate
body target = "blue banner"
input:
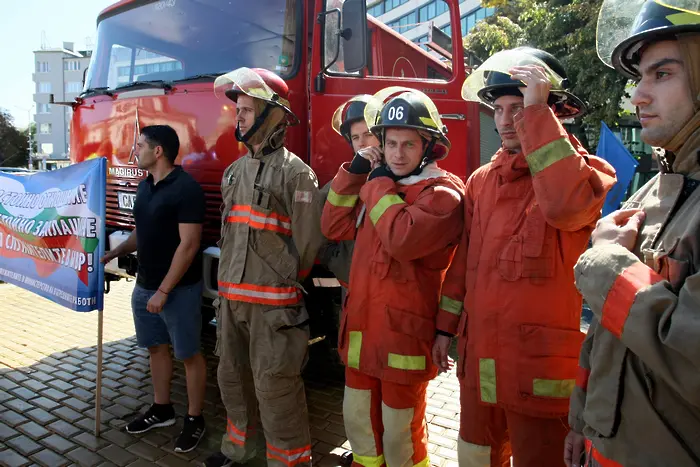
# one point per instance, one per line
(52, 233)
(612, 150)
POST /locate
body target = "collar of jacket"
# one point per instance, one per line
(510, 165)
(271, 143)
(687, 160)
(429, 171)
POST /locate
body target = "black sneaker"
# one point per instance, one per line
(156, 416)
(191, 434)
(217, 460)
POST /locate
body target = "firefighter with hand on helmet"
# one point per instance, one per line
(269, 239)
(349, 122)
(509, 294)
(637, 400)
(406, 217)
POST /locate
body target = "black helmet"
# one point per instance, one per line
(656, 20)
(410, 109)
(499, 83)
(349, 112)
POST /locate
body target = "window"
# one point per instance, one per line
(42, 67)
(470, 19)
(44, 87)
(74, 86)
(43, 108)
(263, 37)
(71, 65)
(69, 113)
(376, 10)
(408, 21)
(409, 62)
(45, 128)
(47, 148)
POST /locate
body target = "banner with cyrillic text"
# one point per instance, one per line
(52, 233)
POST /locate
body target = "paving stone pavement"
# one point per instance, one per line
(48, 368)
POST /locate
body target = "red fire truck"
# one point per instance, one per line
(155, 63)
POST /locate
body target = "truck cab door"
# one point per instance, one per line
(354, 53)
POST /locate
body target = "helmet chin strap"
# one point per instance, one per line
(258, 122)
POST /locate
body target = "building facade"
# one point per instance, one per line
(58, 71)
(414, 18)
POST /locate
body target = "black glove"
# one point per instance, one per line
(359, 165)
(383, 171)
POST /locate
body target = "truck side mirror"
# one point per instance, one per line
(354, 34)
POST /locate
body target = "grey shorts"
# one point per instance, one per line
(179, 324)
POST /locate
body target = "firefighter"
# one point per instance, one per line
(269, 238)
(406, 217)
(349, 122)
(509, 293)
(637, 397)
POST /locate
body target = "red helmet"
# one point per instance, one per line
(258, 83)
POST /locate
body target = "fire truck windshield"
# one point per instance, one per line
(173, 40)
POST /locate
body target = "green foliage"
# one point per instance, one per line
(567, 30)
(13, 143)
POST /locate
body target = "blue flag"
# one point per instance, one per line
(52, 232)
(612, 150)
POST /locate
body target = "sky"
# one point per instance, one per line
(21, 26)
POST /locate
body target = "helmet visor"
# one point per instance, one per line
(618, 20)
(502, 62)
(337, 120)
(248, 82)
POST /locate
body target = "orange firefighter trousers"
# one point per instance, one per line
(384, 421)
(490, 435)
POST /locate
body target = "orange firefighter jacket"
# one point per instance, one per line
(404, 243)
(510, 292)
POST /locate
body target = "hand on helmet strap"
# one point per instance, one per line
(360, 165)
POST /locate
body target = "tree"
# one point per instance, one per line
(13, 144)
(567, 30)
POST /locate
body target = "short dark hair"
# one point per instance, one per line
(165, 137)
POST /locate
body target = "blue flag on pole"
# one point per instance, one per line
(612, 150)
(52, 233)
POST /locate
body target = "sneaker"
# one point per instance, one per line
(346, 459)
(156, 416)
(217, 460)
(191, 434)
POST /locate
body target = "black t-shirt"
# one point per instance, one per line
(158, 211)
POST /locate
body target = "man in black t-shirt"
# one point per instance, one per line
(166, 302)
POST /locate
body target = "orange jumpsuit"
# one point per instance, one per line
(528, 217)
(404, 244)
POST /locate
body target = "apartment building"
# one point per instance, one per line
(58, 71)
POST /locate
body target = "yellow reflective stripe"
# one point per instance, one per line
(427, 121)
(682, 19)
(450, 305)
(407, 362)
(424, 463)
(341, 201)
(548, 154)
(368, 461)
(354, 349)
(384, 203)
(487, 379)
(553, 387)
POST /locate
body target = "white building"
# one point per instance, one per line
(58, 71)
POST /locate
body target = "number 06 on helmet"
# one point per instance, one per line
(401, 107)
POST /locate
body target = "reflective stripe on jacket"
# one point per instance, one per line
(270, 230)
(404, 243)
(529, 216)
